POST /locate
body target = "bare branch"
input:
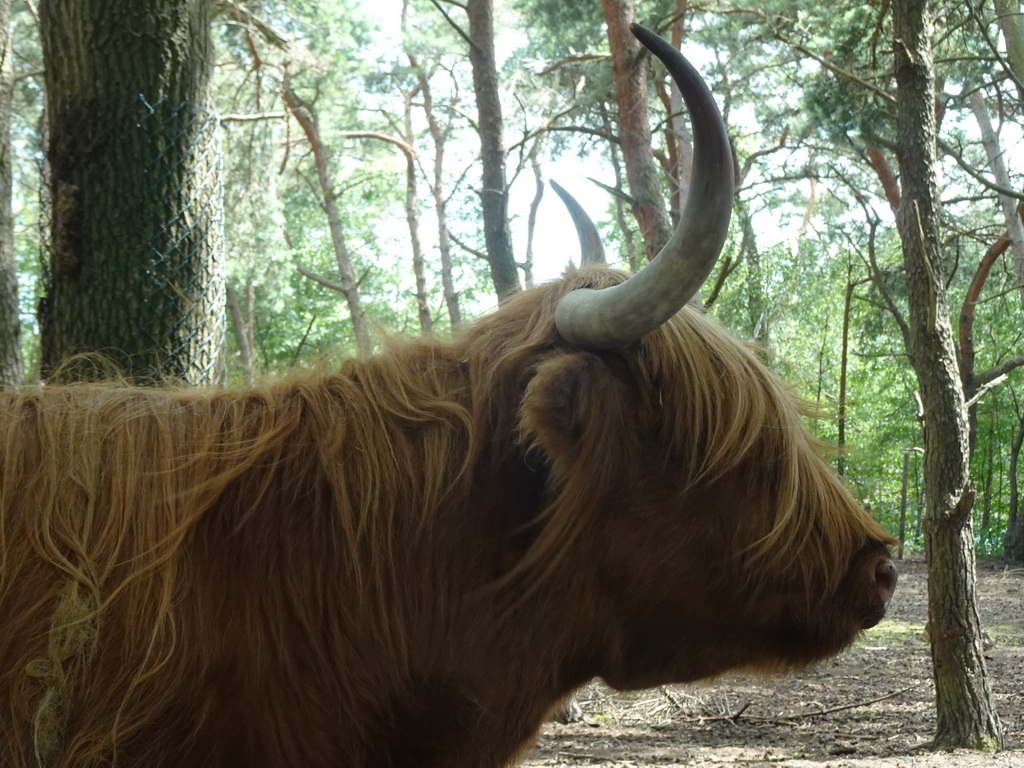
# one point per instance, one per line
(984, 389)
(242, 16)
(451, 22)
(975, 173)
(322, 280)
(253, 117)
(409, 152)
(754, 156)
(575, 59)
(998, 371)
(616, 191)
(467, 248)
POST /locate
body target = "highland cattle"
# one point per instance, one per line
(407, 563)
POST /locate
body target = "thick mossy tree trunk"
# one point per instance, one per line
(135, 272)
(966, 715)
(11, 370)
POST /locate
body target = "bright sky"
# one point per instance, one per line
(555, 241)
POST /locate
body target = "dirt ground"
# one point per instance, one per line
(871, 707)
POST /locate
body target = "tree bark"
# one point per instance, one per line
(135, 265)
(966, 716)
(494, 189)
(11, 366)
(630, 72)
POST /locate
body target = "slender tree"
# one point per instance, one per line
(494, 187)
(134, 268)
(1008, 205)
(11, 370)
(628, 62)
(412, 214)
(966, 715)
(1014, 543)
(1011, 22)
(436, 181)
(348, 286)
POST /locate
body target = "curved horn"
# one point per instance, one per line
(618, 315)
(591, 249)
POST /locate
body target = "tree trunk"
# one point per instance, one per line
(243, 322)
(412, 218)
(135, 266)
(974, 383)
(1011, 22)
(1014, 227)
(531, 219)
(621, 219)
(678, 133)
(437, 191)
(11, 367)
(890, 185)
(349, 282)
(844, 359)
(494, 191)
(630, 72)
(1014, 541)
(903, 503)
(757, 303)
(411, 195)
(966, 715)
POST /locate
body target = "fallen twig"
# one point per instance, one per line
(735, 716)
(830, 710)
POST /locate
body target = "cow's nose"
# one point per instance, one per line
(885, 578)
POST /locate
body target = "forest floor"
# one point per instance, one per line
(871, 707)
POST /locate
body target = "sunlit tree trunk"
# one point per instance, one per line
(135, 265)
(11, 367)
(437, 192)
(412, 218)
(411, 195)
(966, 716)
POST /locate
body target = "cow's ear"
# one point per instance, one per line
(577, 409)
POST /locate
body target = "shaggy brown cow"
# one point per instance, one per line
(411, 561)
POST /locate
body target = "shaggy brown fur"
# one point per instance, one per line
(410, 561)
